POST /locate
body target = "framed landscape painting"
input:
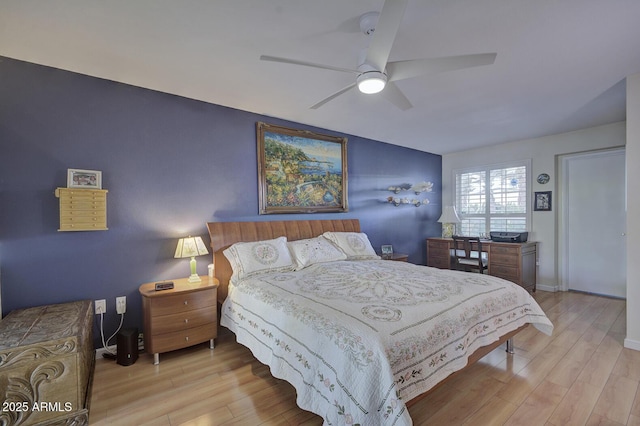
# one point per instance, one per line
(300, 171)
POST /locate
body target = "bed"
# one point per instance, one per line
(359, 338)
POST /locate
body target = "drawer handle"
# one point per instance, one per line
(186, 302)
(186, 338)
(186, 320)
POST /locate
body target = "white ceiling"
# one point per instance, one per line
(561, 64)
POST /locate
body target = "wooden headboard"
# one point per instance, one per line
(224, 234)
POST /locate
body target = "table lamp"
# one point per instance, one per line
(191, 247)
(448, 219)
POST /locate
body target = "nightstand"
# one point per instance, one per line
(397, 256)
(179, 317)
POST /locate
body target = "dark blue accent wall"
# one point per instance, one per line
(170, 164)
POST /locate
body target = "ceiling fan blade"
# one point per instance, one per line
(335, 95)
(393, 94)
(385, 33)
(306, 64)
(401, 70)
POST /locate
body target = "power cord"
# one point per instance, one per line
(108, 353)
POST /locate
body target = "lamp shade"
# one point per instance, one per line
(449, 215)
(448, 219)
(190, 247)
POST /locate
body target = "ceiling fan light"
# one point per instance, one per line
(371, 82)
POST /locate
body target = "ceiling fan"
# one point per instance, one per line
(374, 74)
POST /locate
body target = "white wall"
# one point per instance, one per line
(543, 153)
(633, 211)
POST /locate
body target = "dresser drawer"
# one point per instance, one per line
(438, 245)
(82, 194)
(504, 259)
(183, 338)
(77, 226)
(439, 262)
(507, 272)
(183, 302)
(438, 254)
(513, 250)
(83, 206)
(88, 219)
(182, 321)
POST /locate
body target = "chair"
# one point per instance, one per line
(467, 254)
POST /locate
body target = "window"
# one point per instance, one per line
(493, 198)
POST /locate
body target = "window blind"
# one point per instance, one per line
(492, 198)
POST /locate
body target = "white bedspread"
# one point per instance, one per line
(358, 338)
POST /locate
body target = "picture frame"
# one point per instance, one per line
(387, 251)
(542, 201)
(84, 179)
(300, 171)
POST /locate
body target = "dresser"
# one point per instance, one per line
(515, 262)
(82, 209)
(179, 317)
(46, 365)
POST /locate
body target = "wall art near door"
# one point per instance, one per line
(300, 171)
(542, 201)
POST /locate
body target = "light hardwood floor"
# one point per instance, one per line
(581, 375)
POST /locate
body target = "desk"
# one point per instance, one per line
(515, 262)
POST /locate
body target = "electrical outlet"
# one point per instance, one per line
(101, 306)
(121, 304)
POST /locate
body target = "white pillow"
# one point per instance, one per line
(355, 245)
(252, 258)
(314, 250)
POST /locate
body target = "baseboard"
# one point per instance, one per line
(100, 351)
(550, 288)
(114, 348)
(632, 344)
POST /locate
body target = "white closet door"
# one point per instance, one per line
(595, 221)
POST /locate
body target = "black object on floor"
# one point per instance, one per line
(127, 341)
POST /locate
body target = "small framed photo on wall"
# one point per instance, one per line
(542, 201)
(86, 179)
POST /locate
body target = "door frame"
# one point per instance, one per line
(562, 246)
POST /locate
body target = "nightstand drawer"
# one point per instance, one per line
(183, 338)
(182, 321)
(183, 302)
